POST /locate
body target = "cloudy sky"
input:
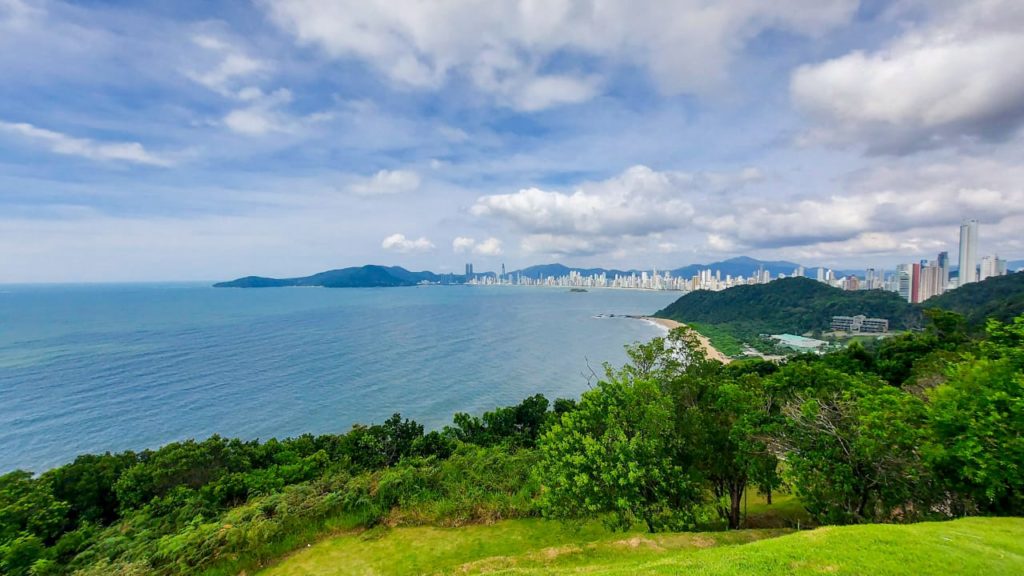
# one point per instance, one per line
(154, 140)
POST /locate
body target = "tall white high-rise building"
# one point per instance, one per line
(992, 266)
(904, 281)
(968, 252)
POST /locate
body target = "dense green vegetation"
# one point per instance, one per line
(923, 426)
(794, 305)
(802, 305)
(721, 338)
(1001, 298)
(989, 546)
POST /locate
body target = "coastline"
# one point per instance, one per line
(705, 343)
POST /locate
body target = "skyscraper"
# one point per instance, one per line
(904, 278)
(943, 270)
(968, 252)
(915, 283)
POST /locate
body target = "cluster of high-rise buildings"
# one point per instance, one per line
(917, 281)
(920, 281)
(654, 280)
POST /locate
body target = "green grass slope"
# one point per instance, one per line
(990, 546)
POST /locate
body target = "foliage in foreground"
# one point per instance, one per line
(224, 505)
(924, 426)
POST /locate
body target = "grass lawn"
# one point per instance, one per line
(486, 549)
(990, 546)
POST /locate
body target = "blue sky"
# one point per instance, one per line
(208, 140)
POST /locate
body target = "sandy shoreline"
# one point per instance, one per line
(711, 351)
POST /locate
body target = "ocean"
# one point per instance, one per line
(96, 368)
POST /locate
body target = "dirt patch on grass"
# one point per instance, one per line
(638, 542)
(704, 542)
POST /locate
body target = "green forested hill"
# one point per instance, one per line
(1001, 298)
(789, 305)
(371, 276)
(800, 305)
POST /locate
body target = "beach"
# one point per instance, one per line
(711, 352)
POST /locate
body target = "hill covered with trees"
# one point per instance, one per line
(370, 276)
(799, 305)
(795, 305)
(1001, 297)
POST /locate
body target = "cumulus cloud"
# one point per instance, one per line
(900, 209)
(387, 182)
(638, 202)
(957, 78)
(635, 208)
(132, 152)
(462, 244)
(489, 247)
(399, 243)
(516, 50)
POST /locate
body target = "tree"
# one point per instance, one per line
(518, 425)
(616, 453)
(28, 507)
(720, 414)
(977, 425)
(852, 446)
(383, 445)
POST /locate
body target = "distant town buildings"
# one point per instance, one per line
(915, 282)
(860, 324)
(992, 266)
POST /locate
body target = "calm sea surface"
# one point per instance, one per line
(116, 367)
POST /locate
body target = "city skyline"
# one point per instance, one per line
(201, 140)
(916, 282)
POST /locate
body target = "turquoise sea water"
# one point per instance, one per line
(117, 367)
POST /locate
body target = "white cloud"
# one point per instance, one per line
(387, 182)
(59, 143)
(640, 201)
(262, 114)
(489, 247)
(897, 209)
(949, 81)
(511, 49)
(399, 243)
(231, 65)
(462, 244)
